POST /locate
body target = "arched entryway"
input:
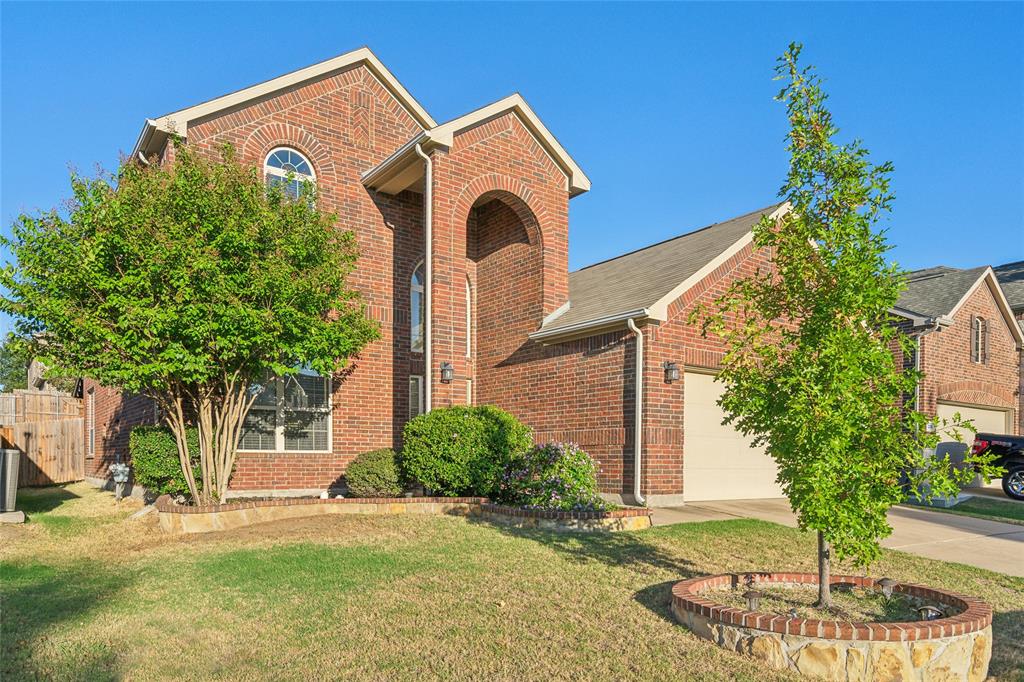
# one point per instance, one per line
(505, 271)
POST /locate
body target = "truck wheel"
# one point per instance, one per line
(1013, 482)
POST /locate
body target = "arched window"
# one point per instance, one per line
(288, 169)
(469, 318)
(979, 340)
(417, 305)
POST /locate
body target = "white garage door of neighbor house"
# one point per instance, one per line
(718, 461)
(985, 420)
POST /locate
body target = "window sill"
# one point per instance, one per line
(285, 452)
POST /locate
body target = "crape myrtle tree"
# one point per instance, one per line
(813, 369)
(188, 282)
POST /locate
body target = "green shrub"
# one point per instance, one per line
(374, 474)
(551, 476)
(155, 459)
(462, 450)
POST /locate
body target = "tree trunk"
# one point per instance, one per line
(219, 414)
(824, 573)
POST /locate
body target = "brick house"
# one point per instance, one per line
(463, 235)
(968, 346)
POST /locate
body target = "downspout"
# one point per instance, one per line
(638, 423)
(428, 228)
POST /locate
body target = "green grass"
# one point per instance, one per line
(403, 597)
(988, 508)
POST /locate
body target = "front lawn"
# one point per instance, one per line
(988, 508)
(88, 593)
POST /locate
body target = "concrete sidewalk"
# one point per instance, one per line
(937, 535)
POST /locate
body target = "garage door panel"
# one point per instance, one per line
(718, 461)
(985, 419)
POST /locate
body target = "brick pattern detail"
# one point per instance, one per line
(695, 595)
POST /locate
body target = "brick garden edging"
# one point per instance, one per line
(207, 518)
(957, 647)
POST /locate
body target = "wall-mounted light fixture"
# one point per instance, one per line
(671, 372)
(447, 372)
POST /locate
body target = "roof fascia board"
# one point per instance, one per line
(588, 327)
(178, 121)
(445, 134)
(659, 311)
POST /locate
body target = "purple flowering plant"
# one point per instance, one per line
(551, 476)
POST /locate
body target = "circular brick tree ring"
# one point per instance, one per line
(956, 647)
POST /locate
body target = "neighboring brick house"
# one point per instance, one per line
(491, 298)
(1011, 281)
(969, 346)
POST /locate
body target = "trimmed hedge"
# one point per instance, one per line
(374, 474)
(155, 460)
(552, 476)
(462, 450)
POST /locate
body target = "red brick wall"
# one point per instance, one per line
(345, 124)
(496, 160)
(950, 375)
(115, 416)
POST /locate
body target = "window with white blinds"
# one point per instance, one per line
(290, 414)
(415, 396)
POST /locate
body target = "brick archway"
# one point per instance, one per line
(977, 393)
(510, 191)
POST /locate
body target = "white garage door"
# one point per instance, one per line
(985, 420)
(718, 462)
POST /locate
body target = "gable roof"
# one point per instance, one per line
(939, 292)
(402, 169)
(642, 283)
(1011, 279)
(156, 131)
(935, 292)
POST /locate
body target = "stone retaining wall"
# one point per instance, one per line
(612, 520)
(957, 647)
(204, 519)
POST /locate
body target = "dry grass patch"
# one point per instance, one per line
(404, 597)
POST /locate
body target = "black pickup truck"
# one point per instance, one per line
(1009, 452)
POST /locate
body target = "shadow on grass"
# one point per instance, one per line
(40, 500)
(1007, 653)
(658, 599)
(39, 598)
(625, 549)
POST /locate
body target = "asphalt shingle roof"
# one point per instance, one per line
(641, 278)
(1011, 281)
(934, 292)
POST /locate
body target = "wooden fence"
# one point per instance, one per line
(33, 406)
(51, 451)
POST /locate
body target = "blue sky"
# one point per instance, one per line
(667, 107)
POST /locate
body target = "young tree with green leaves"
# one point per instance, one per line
(810, 370)
(15, 354)
(190, 283)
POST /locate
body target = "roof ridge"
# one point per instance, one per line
(678, 236)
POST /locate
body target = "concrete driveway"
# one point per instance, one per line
(987, 544)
